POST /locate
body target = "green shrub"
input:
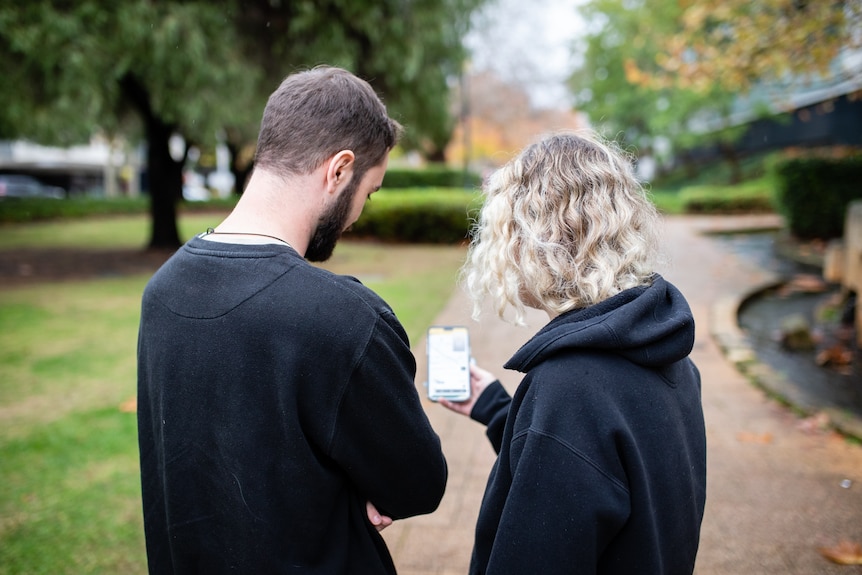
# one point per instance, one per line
(435, 216)
(755, 196)
(716, 171)
(814, 193)
(426, 216)
(667, 201)
(431, 177)
(23, 210)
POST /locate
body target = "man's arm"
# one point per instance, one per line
(382, 437)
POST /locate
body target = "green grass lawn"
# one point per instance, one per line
(69, 491)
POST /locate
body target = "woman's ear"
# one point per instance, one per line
(339, 170)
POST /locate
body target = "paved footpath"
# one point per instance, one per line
(776, 487)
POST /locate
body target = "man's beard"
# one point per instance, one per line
(331, 224)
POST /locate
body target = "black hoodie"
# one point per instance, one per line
(602, 450)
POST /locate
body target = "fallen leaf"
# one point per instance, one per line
(130, 405)
(750, 437)
(844, 553)
(838, 354)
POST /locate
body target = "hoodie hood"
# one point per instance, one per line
(650, 325)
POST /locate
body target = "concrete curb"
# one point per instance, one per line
(735, 345)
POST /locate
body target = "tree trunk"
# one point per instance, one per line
(165, 176)
(437, 155)
(166, 186)
(240, 173)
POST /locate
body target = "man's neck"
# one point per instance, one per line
(275, 206)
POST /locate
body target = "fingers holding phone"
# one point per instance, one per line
(479, 380)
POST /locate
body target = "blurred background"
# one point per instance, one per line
(132, 98)
(127, 126)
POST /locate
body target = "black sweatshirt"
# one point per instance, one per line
(274, 400)
(602, 450)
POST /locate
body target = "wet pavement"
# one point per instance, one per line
(779, 488)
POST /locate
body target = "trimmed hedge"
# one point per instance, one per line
(750, 197)
(430, 215)
(814, 193)
(435, 216)
(24, 210)
(430, 177)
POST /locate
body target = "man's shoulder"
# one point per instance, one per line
(342, 290)
(333, 306)
(334, 299)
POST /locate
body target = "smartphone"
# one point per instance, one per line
(448, 348)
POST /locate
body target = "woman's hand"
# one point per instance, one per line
(479, 380)
(379, 521)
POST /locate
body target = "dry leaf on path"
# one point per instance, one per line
(130, 405)
(844, 553)
(751, 437)
(838, 354)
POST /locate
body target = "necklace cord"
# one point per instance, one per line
(211, 231)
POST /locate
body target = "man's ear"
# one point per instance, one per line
(339, 170)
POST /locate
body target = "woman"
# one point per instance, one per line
(601, 462)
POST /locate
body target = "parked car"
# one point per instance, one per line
(21, 186)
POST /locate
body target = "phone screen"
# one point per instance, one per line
(448, 363)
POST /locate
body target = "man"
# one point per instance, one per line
(279, 425)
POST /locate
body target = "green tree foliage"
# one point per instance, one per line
(409, 50)
(740, 43)
(195, 68)
(623, 41)
(135, 66)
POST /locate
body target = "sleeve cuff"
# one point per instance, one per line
(488, 405)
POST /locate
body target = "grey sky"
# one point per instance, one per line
(529, 43)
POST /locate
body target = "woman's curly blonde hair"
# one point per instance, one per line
(565, 225)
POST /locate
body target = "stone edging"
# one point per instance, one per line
(734, 344)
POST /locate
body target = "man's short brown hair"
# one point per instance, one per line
(315, 114)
